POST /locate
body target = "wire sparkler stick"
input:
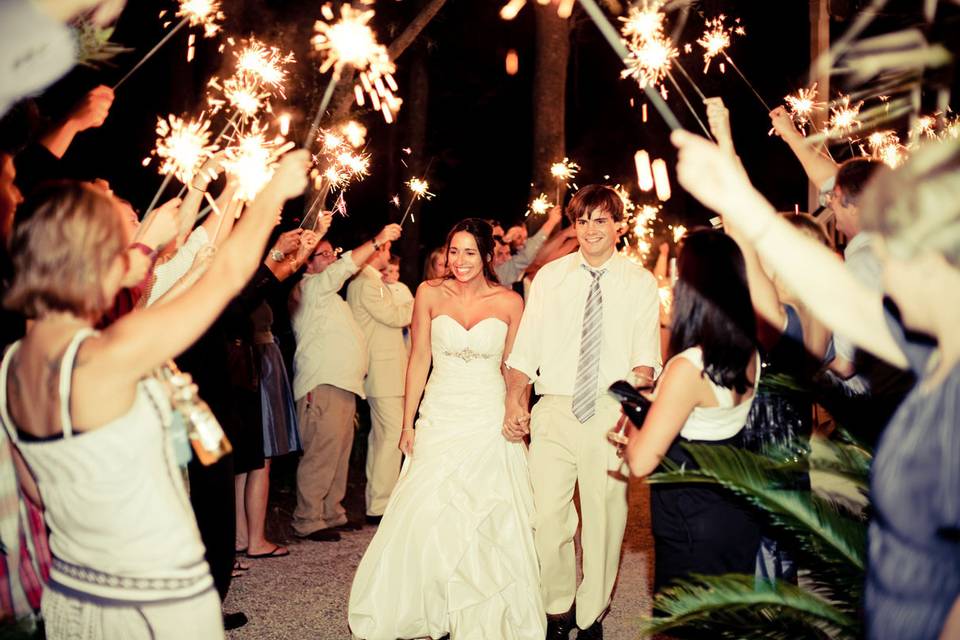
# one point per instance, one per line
(612, 36)
(686, 75)
(324, 103)
(689, 106)
(749, 84)
(150, 53)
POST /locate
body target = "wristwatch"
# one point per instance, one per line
(277, 256)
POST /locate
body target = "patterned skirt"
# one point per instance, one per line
(281, 434)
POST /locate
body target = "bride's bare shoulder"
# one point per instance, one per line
(431, 289)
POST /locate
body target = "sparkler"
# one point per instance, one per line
(715, 42)
(351, 42)
(419, 188)
(648, 61)
(645, 21)
(252, 161)
(193, 12)
(613, 38)
(802, 105)
(563, 172)
(678, 232)
(885, 146)
(539, 206)
(242, 93)
(843, 117)
(925, 126)
(264, 64)
(183, 146)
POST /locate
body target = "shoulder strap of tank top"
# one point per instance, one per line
(4, 413)
(66, 376)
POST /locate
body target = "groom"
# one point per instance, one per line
(592, 318)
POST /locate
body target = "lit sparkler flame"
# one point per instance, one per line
(564, 170)
(183, 145)
(252, 160)
(243, 96)
(645, 21)
(802, 105)
(419, 188)
(885, 146)
(716, 39)
(843, 117)
(649, 60)
(264, 64)
(628, 205)
(925, 126)
(206, 13)
(540, 205)
(351, 41)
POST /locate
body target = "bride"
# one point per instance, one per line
(454, 553)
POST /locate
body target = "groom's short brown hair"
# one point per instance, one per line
(593, 197)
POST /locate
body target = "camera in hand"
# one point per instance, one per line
(634, 405)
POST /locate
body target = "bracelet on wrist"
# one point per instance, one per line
(144, 249)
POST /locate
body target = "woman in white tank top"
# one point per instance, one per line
(91, 428)
(703, 396)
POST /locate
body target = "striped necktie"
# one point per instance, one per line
(588, 369)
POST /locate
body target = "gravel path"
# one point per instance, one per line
(304, 595)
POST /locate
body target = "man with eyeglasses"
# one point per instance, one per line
(329, 367)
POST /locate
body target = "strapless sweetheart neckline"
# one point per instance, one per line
(475, 324)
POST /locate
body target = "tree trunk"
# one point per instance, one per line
(549, 99)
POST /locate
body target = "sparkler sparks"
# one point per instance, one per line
(252, 160)
(649, 60)
(351, 41)
(266, 65)
(242, 94)
(644, 21)
(419, 188)
(564, 170)
(885, 146)
(717, 38)
(539, 206)
(802, 105)
(205, 13)
(678, 232)
(183, 146)
(843, 117)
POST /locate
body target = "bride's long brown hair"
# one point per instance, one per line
(482, 233)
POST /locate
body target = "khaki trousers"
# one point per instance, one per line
(326, 427)
(383, 454)
(565, 454)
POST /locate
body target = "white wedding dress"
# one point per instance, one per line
(454, 552)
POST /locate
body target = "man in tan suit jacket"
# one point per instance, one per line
(381, 319)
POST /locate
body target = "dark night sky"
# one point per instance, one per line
(480, 119)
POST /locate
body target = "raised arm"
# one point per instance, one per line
(89, 113)
(763, 295)
(142, 340)
(818, 166)
(418, 365)
(807, 267)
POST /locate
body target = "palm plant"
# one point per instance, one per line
(830, 539)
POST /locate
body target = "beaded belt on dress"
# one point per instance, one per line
(102, 579)
(468, 354)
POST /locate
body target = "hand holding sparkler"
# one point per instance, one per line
(782, 124)
(92, 109)
(288, 242)
(718, 117)
(160, 226)
(388, 234)
(308, 242)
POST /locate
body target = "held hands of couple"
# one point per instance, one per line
(516, 422)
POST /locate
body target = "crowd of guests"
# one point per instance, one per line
(128, 502)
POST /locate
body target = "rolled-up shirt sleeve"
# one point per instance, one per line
(645, 346)
(528, 344)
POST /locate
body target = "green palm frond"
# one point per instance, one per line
(734, 606)
(842, 536)
(94, 47)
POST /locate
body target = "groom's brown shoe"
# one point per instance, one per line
(559, 625)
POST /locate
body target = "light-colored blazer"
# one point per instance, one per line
(381, 319)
